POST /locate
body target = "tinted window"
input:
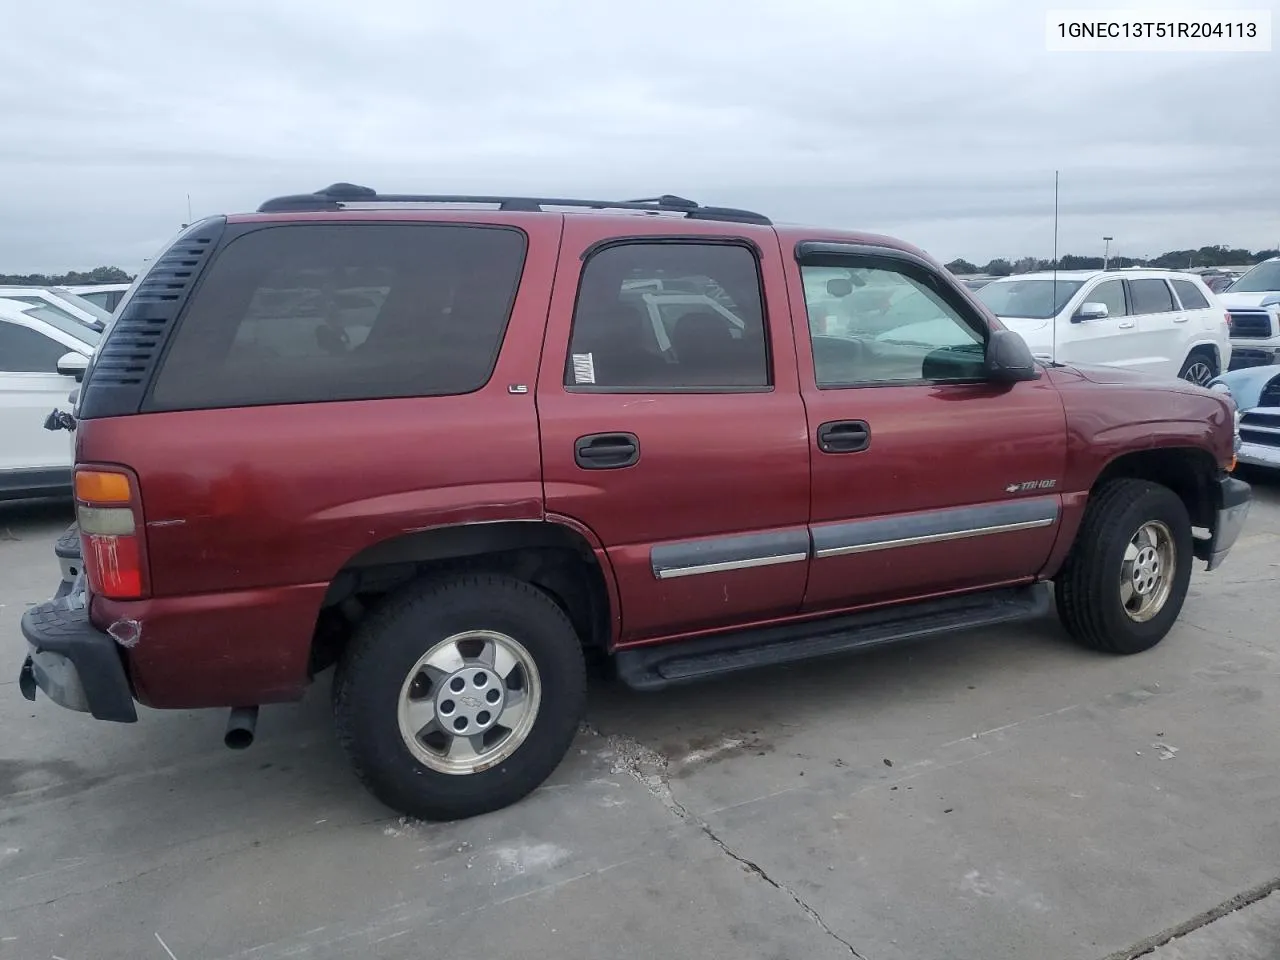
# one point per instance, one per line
(25, 351)
(662, 316)
(1029, 299)
(1190, 295)
(1150, 296)
(314, 312)
(1263, 278)
(871, 325)
(1110, 292)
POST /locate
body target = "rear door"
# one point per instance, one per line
(1205, 324)
(673, 427)
(926, 478)
(1159, 342)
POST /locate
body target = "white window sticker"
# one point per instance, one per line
(584, 368)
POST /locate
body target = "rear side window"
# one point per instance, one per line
(655, 317)
(312, 312)
(1190, 295)
(1150, 296)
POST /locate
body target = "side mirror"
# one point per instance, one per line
(838, 287)
(1009, 359)
(73, 365)
(1091, 311)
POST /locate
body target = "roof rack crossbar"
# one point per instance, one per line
(337, 196)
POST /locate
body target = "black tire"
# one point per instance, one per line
(1087, 590)
(391, 640)
(1200, 367)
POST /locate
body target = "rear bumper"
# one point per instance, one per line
(76, 665)
(1233, 498)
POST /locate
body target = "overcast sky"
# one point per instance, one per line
(940, 122)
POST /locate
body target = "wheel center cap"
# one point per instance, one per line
(469, 700)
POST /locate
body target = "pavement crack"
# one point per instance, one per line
(650, 768)
(1238, 902)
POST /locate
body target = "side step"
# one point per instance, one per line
(664, 665)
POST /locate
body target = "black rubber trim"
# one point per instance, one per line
(745, 549)
(956, 520)
(44, 482)
(686, 238)
(665, 665)
(1233, 493)
(68, 545)
(62, 626)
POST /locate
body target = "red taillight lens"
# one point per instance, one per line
(109, 534)
(114, 566)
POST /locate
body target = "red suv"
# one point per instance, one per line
(451, 444)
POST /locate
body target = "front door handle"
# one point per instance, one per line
(606, 451)
(1181, 319)
(1126, 326)
(844, 436)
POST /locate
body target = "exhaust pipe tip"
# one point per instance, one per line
(241, 724)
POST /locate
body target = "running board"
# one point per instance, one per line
(667, 664)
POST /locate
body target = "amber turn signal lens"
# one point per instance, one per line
(1231, 464)
(99, 486)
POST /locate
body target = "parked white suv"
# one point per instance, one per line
(1253, 303)
(59, 303)
(1157, 321)
(42, 356)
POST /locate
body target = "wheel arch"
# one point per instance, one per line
(1187, 471)
(559, 556)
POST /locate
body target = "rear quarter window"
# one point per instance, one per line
(1190, 295)
(303, 313)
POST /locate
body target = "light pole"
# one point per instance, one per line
(1106, 252)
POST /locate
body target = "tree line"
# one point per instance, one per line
(1216, 256)
(72, 278)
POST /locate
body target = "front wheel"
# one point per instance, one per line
(1200, 368)
(460, 696)
(1126, 578)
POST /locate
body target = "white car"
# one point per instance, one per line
(42, 357)
(59, 304)
(1253, 303)
(1160, 322)
(103, 295)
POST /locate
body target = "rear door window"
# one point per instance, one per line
(1151, 296)
(313, 312)
(1190, 295)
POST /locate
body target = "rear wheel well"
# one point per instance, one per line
(1207, 349)
(552, 557)
(1187, 471)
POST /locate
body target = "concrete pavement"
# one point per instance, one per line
(1000, 794)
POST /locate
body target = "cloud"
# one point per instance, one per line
(937, 121)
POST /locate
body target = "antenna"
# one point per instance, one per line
(188, 208)
(1053, 348)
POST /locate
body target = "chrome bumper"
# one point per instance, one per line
(1233, 509)
(1259, 455)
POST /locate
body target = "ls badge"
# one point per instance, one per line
(1028, 485)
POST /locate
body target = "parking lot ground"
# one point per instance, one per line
(995, 794)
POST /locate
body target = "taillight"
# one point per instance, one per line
(105, 501)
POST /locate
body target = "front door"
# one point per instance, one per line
(671, 422)
(30, 388)
(1109, 340)
(926, 478)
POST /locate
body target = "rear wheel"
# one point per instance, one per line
(1125, 581)
(1200, 368)
(460, 696)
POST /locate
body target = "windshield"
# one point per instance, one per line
(61, 320)
(80, 303)
(56, 316)
(1263, 278)
(1033, 299)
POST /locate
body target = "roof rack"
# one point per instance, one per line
(338, 196)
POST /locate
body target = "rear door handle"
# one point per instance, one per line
(844, 436)
(606, 451)
(1128, 325)
(1180, 319)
